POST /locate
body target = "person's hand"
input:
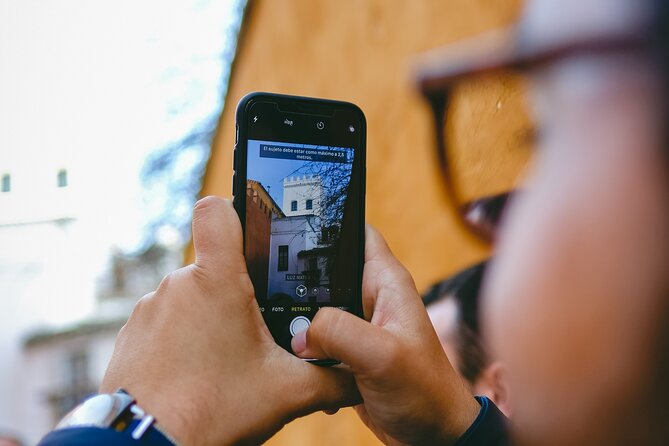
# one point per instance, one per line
(196, 353)
(410, 392)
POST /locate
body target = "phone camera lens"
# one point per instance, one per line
(351, 128)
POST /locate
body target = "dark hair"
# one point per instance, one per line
(650, 415)
(465, 288)
(660, 41)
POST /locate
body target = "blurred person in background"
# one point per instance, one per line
(575, 302)
(453, 306)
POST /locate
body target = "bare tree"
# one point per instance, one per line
(163, 176)
(178, 191)
(335, 179)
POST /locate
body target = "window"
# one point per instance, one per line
(293, 205)
(62, 178)
(78, 370)
(76, 387)
(313, 264)
(6, 185)
(283, 258)
(310, 204)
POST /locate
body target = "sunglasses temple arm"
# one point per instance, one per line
(440, 106)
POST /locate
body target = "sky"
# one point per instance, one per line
(96, 86)
(272, 171)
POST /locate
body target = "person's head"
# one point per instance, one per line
(578, 289)
(577, 294)
(453, 307)
(576, 299)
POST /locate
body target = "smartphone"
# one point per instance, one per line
(299, 190)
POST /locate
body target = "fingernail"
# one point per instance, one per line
(299, 342)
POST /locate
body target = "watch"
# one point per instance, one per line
(117, 411)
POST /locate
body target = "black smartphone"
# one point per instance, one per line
(299, 190)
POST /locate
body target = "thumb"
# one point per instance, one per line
(217, 234)
(389, 294)
(382, 269)
(329, 389)
(336, 334)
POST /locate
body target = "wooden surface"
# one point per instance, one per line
(362, 51)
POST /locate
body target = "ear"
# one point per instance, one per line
(493, 384)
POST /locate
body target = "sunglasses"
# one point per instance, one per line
(478, 92)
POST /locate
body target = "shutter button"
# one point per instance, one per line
(299, 324)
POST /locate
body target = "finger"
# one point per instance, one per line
(385, 280)
(321, 388)
(377, 252)
(336, 334)
(217, 234)
(376, 247)
(331, 389)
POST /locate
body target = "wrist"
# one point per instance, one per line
(178, 418)
(459, 411)
(461, 417)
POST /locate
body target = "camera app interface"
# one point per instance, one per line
(301, 231)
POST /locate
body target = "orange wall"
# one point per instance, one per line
(361, 51)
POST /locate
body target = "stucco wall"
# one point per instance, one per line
(361, 51)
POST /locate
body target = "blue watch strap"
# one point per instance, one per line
(152, 436)
(86, 436)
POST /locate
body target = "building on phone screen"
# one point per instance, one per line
(298, 245)
(260, 210)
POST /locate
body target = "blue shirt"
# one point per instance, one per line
(490, 428)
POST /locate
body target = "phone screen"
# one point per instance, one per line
(304, 214)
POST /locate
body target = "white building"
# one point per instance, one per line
(61, 365)
(296, 256)
(289, 237)
(302, 195)
(46, 278)
(57, 330)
